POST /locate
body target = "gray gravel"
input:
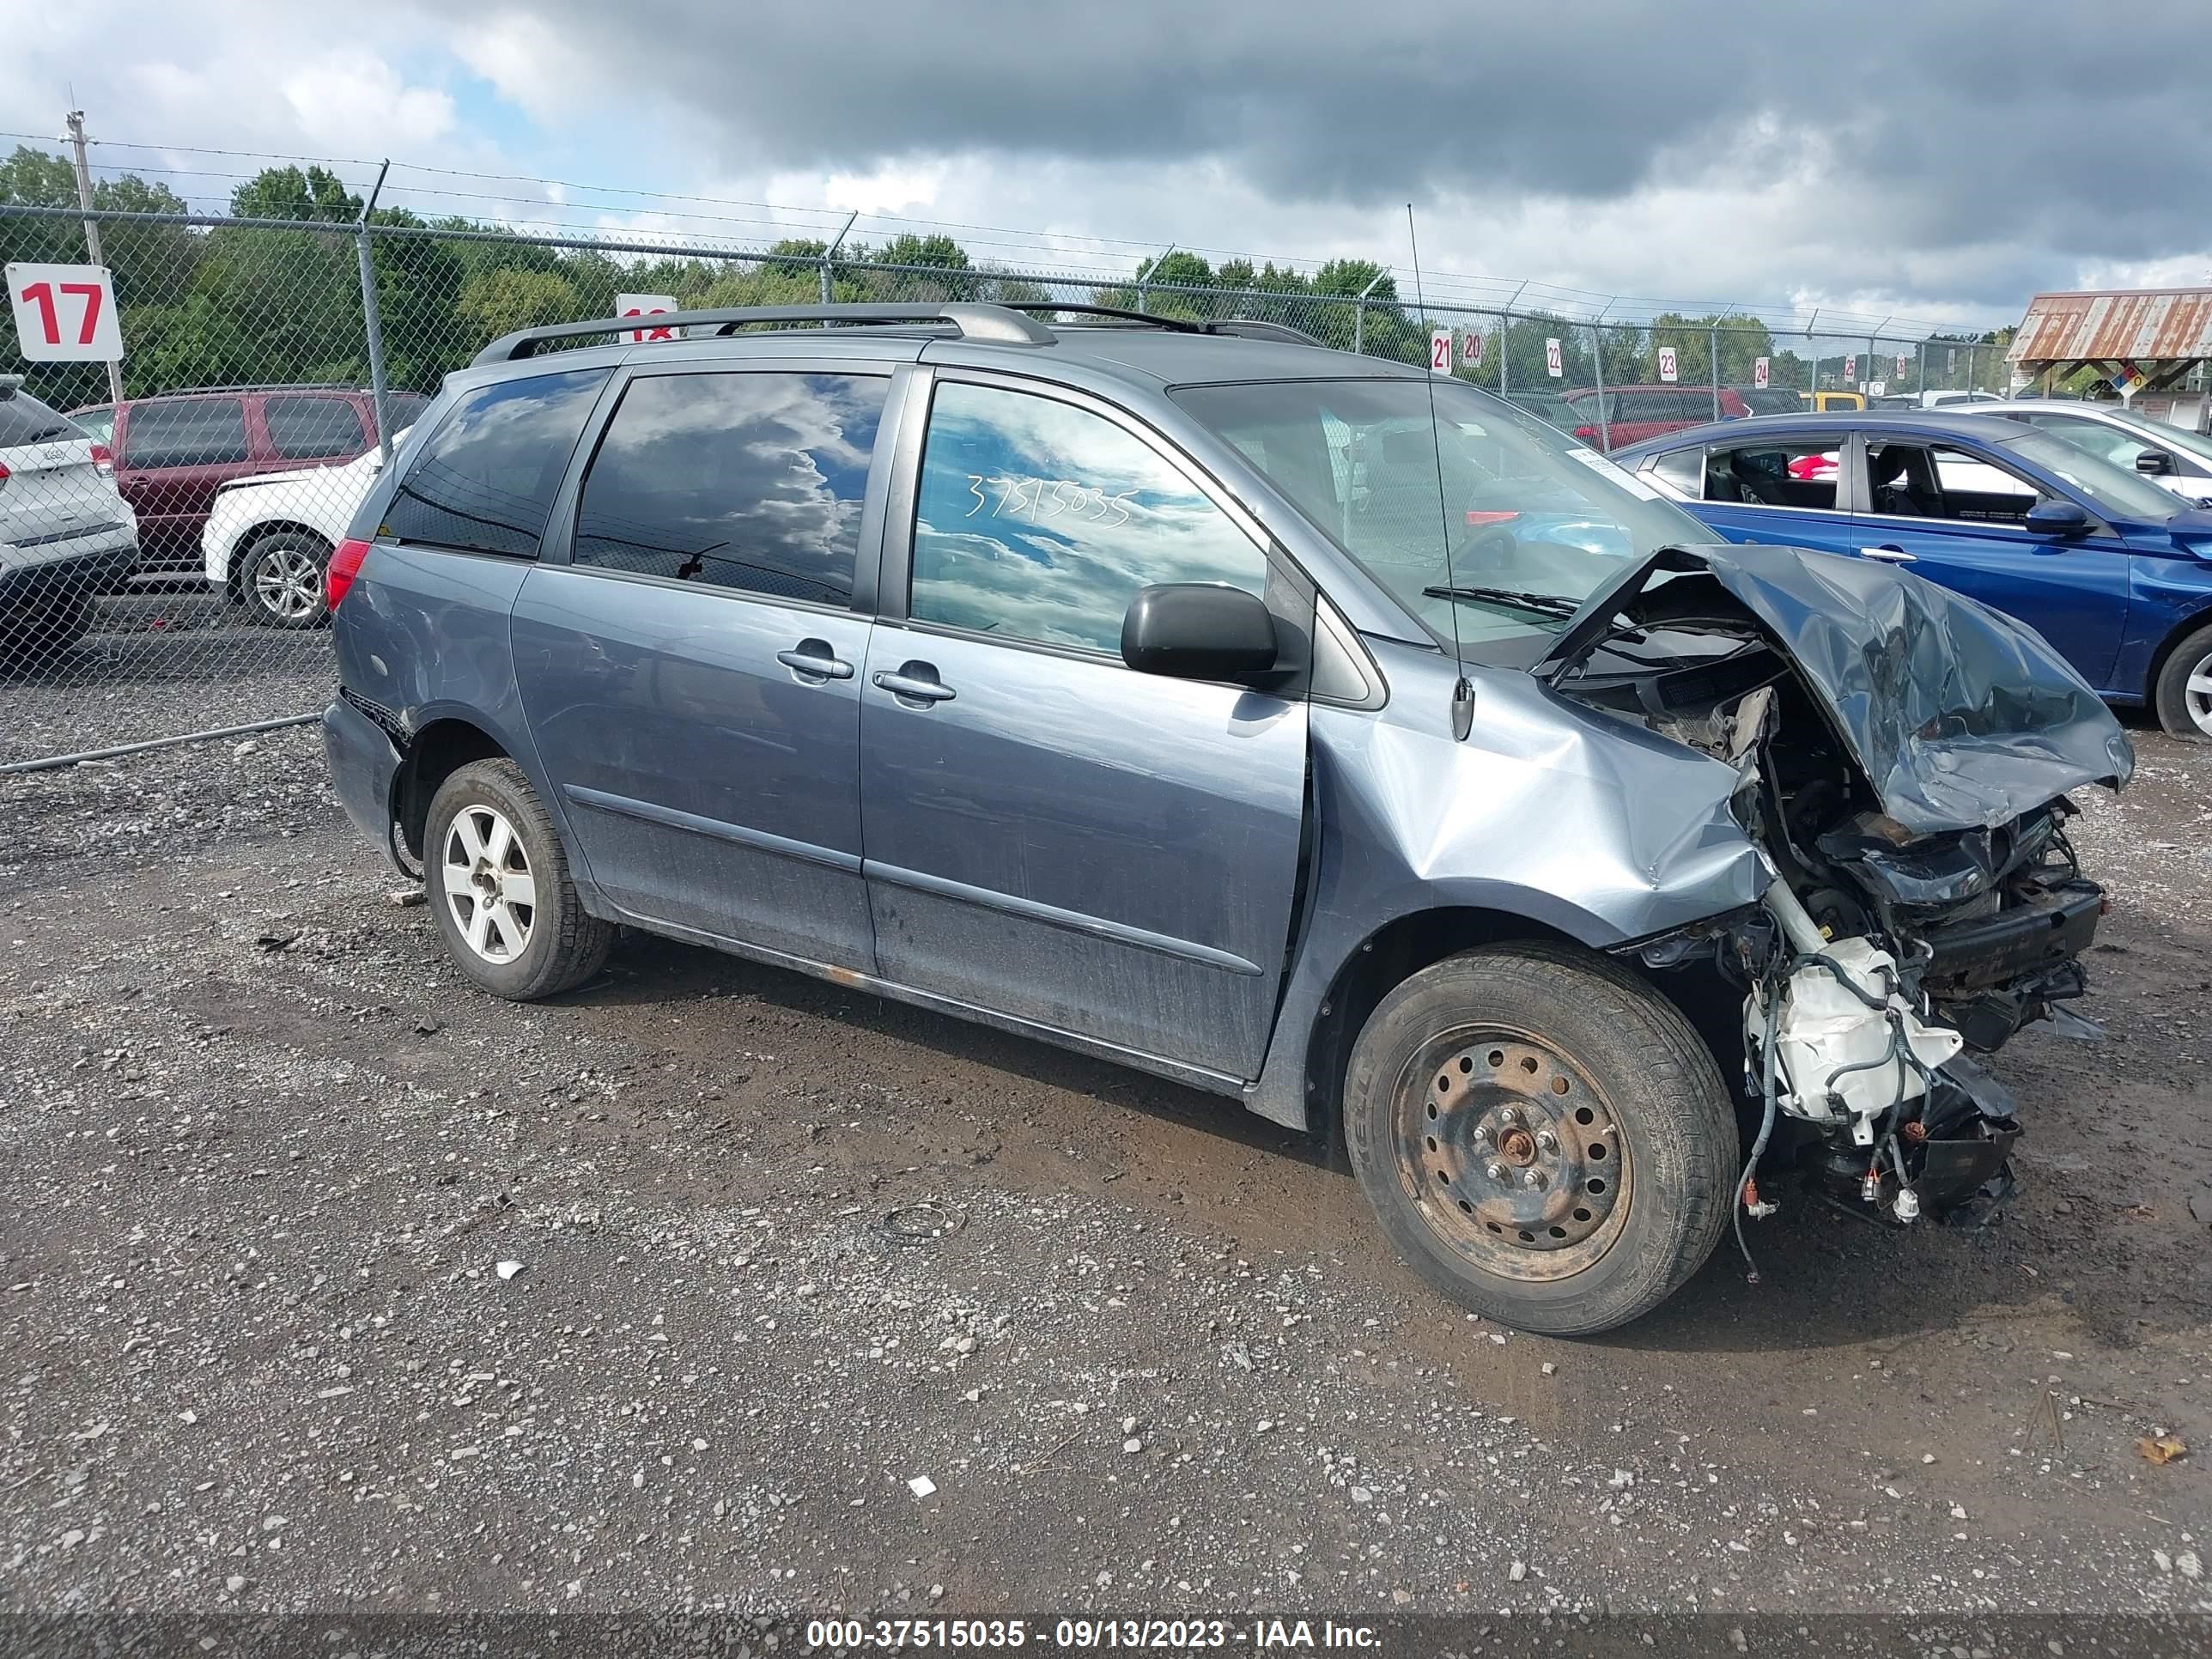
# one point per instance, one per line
(774, 1253)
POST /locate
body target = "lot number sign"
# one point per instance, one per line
(64, 313)
(1470, 348)
(1668, 366)
(1552, 359)
(1440, 361)
(1758, 371)
(647, 305)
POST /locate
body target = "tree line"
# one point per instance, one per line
(233, 304)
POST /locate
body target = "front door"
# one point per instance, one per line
(1779, 490)
(1051, 834)
(1956, 514)
(691, 671)
(174, 453)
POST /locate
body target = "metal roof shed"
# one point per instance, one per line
(2163, 332)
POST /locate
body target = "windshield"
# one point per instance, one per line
(2141, 432)
(1537, 520)
(1770, 400)
(2119, 494)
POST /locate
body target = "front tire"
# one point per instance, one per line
(500, 889)
(281, 579)
(2183, 696)
(1544, 1137)
(38, 642)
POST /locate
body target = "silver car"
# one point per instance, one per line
(66, 535)
(2169, 456)
(1336, 739)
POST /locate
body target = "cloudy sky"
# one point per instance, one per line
(1937, 159)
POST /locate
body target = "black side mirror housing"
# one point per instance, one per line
(2057, 518)
(1198, 631)
(2154, 463)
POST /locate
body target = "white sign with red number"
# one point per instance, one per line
(1470, 348)
(647, 305)
(1670, 367)
(1850, 368)
(1551, 366)
(1901, 360)
(1759, 372)
(65, 313)
(1440, 351)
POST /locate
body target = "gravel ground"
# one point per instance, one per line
(329, 1283)
(159, 664)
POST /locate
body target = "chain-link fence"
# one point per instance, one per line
(161, 556)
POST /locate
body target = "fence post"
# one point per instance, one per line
(1713, 361)
(1359, 315)
(1920, 377)
(1504, 324)
(372, 319)
(1597, 357)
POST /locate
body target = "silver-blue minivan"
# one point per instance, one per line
(1283, 721)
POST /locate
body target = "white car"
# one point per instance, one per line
(269, 539)
(2170, 456)
(66, 534)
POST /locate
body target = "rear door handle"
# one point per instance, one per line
(921, 686)
(814, 659)
(1889, 555)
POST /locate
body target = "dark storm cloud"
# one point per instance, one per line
(1950, 122)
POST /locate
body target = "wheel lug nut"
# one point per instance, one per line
(1509, 1116)
(1547, 1141)
(1495, 1171)
(1533, 1178)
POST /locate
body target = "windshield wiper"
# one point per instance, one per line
(1544, 605)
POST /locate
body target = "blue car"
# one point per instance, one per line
(2115, 571)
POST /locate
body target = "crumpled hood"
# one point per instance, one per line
(1960, 718)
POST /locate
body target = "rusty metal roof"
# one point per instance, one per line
(2146, 324)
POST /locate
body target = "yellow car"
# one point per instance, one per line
(1821, 403)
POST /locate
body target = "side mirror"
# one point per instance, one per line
(2056, 519)
(2154, 463)
(1198, 631)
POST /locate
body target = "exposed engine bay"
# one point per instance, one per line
(1924, 905)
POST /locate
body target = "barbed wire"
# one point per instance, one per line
(1040, 253)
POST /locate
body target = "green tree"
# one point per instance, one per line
(497, 303)
(289, 193)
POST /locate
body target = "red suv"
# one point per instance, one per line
(174, 451)
(1636, 412)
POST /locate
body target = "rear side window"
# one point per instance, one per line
(188, 432)
(25, 420)
(484, 483)
(308, 429)
(1801, 472)
(1037, 521)
(404, 408)
(747, 481)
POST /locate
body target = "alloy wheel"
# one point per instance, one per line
(289, 584)
(489, 885)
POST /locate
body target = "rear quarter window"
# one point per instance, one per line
(25, 420)
(186, 431)
(484, 481)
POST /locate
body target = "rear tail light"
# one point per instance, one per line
(1586, 433)
(344, 566)
(1477, 515)
(4, 473)
(103, 460)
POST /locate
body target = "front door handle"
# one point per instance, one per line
(916, 682)
(1889, 555)
(814, 659)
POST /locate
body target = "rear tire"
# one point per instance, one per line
(2183, 696)
(1544, 1137)
(500, 887)
(280, 580)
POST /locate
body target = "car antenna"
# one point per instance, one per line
(1462, 703)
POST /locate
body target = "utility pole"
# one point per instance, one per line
(76, 136)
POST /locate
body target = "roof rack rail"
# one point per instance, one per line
(999, 324)
(1250, 328)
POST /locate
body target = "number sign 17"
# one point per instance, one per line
(64, 313)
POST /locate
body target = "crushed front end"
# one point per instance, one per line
(1902, 759)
